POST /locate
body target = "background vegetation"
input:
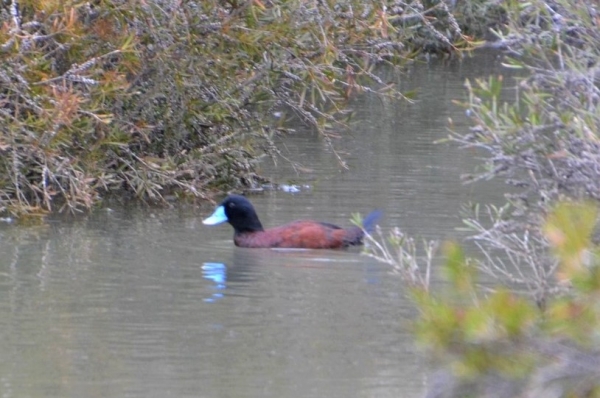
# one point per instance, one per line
(534, 332)
(162, 98)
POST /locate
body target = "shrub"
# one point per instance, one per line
(494, 342)
(159, 97)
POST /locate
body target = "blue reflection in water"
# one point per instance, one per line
(216, 272)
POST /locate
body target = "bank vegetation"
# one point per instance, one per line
(167, 99)
(520, 318)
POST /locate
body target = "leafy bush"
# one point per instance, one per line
(542, 140)
(157, 97)
(494, 342)
(536, 334)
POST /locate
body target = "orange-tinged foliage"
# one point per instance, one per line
(568, 229)
(104, 28)
(187, 78)
(505, 334)
(65, 105)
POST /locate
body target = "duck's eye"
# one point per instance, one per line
(231, 204)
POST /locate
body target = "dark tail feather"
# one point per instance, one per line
(355, 235)
(371, 220)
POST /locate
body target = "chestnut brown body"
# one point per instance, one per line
(303, 234)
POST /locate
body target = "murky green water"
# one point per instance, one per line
(151, 303)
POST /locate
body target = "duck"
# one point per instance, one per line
(302, 234)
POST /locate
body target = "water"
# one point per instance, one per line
(134, 302)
